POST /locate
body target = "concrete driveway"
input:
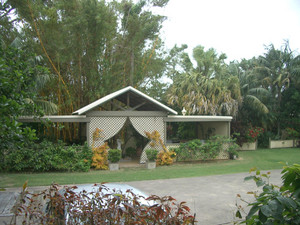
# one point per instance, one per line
(212, 198)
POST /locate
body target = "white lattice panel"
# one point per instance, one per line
(148, 124)
(109, 127)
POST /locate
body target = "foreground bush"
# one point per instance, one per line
(48, 156)
(100, 207)
(274, 205)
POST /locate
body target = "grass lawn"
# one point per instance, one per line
(263, 159)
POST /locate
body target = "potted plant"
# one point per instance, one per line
(151, 158)
(114, 156)
(251, 136)
(232, 151)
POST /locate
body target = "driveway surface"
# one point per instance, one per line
(211, 198)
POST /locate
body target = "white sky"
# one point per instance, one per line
(239, 28)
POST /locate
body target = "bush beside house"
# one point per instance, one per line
(47, 156)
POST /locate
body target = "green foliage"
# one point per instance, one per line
(151, 154)
(114, 155)
(207, 89)
(291, 133)
(197, 150)
(47, 156)
(131, 152)
(17, 79)
(275, 205)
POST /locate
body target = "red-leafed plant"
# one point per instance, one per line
(253, 133)
(100, 207)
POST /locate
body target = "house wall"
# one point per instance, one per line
(208, 129)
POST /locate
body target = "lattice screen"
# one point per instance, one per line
(148, 124)
(109, 127)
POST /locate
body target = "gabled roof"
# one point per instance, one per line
(137, 99)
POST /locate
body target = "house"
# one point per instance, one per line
(105, 118)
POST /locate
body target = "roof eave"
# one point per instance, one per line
(100, 101)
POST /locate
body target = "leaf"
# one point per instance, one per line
(265, 209)
(287, 202)
(260, 183)
(238, 214)
(25, 185)
(252, 211)
(249, 178)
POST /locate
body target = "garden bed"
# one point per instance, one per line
(249, 146)
(282, 143)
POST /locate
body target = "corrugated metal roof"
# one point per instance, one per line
(137, 96)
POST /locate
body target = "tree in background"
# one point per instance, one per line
(207, 88)
(92, 48)
(275, 70)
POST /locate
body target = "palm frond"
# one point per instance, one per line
(256, 104)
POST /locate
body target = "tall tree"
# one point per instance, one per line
(253, 109)
(208, 88)
(275, 71)
(93, 47)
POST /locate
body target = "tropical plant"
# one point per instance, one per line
(100, 157)
(253, 108)
(275, 204)
(206, 89)
(166, 158)
(275, 70)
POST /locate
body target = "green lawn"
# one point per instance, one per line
(263, 159)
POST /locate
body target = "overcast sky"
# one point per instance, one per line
(239, 28)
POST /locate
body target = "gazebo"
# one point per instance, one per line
(110, 113)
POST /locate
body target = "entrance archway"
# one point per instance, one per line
(129, 141)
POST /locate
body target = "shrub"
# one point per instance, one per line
(151, 154)
(197, 150)
(253, 133)
(100, 157)
(114, 155)
(165, 158)
(291, 133)
(48, 156)
(274, 205)
(100, 207)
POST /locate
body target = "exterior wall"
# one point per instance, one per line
(208, 129)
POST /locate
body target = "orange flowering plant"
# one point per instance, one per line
(253, 133)
(164, 157)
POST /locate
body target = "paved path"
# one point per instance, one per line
(212, 198)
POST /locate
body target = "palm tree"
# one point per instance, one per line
(206, 89)
(275, 72)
